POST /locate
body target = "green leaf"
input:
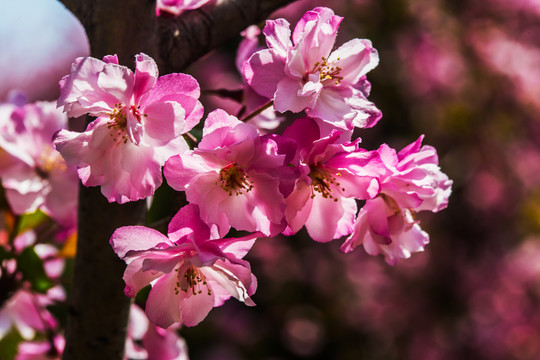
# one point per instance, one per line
(9, 345)
(31, 267)
(31, 221)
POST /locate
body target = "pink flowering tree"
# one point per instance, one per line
(289, 159)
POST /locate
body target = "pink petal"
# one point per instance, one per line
(136, 279)
(355, 58)
(180, 88)
(164, 301)
(188, 221)
(288, 96)
(146, 74)
(263, 71)
(117, 81)
(278, 36)
(163, 122)
(133, 238)
(322, 223)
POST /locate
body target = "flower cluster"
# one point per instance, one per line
(242, 174)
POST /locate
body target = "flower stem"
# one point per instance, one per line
(258, 111)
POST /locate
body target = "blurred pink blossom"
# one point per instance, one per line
(431, 63)
(41, 350)
(145, 341)
(33, 173)
(26, 311)
(43, 46)
(518, 61)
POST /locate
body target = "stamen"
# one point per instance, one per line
(323, 182)
(327, 72)
(191, 281)
(233, 178)
(118, 124)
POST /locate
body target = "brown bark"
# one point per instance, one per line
(98, 308)
(98, 312)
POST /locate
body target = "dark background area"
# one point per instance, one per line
(466, 74)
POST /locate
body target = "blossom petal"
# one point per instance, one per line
(164, 121)
(134, 238)
(163, 303)
(263, 71)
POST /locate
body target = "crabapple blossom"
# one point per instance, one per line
(41, 350)
(157, 343)
(33, 173)
(26, 311)
(191, 271)
(324, 195)
(410, 181)
(176, 7)
(413, 177)
(233, 176)
(139, 125)
(305, 74)
(384, 228)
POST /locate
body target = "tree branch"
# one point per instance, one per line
(184, 39)
(127, 27)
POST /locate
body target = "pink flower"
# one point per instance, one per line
(26, 311)
(191, 271)
(157, 343)
(305, 74)
(41, 350)
(33, 173)
(331, 179)
(176, 7)
(140, 120)
(410, 181)
(233, 176)
(413, 177)
(384, 228)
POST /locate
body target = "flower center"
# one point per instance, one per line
(192, 280)
(322, 181)
(49, 161)
(327, 72)
(118, 123)
(233, 178)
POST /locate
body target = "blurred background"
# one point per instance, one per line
(467, 75)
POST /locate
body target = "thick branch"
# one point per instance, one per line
(185, 39)
(127, 27)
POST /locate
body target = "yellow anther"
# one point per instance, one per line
(233, 179)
